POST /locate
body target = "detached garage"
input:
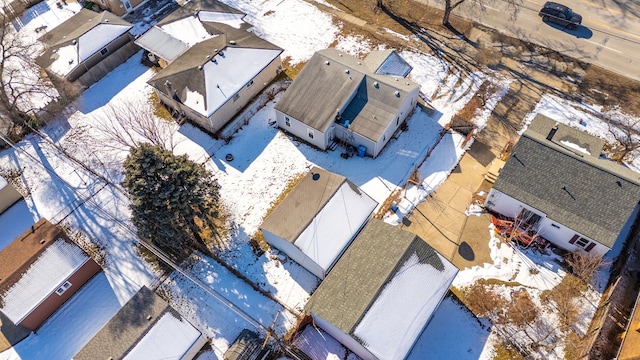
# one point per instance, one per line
(318, 219)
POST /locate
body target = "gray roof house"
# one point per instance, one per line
(382, 292)
(558, 183)
(340, 98)
(213, 66)
(318, 219)
(74, 48)
(140, 331)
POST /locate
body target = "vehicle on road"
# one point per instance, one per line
(560, 14)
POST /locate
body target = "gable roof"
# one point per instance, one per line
(78, 38)
(320, 216)
(566, 178)
(387, 276)
(35, 265)
(302, 204)
(132, 330)
(328, 82)
(211, 72)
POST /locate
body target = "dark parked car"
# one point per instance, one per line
(560, 14)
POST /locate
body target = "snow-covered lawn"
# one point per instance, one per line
(265, 159)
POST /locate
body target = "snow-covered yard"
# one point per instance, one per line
(265, 159)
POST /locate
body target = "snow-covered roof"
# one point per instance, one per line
(321, 215)
(387, 276)
(169, 338)
(188, 30)
(79, 38)
(211, 72)
(332, 80)
(161, 43)
(135, 319)
(54, 266)
(231, 19)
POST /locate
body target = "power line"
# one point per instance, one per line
(150, 247)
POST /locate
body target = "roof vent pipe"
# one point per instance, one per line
(552, 132)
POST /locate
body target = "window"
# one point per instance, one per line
(249, 84)
(555, 226)
(310, 133)
(582, 242)
(104, 51)
(236, 97)
(397, 121)
(528, 218)
(287, 121)
(63, 288)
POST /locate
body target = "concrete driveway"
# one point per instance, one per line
(441, 220)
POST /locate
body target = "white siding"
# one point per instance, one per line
(300, 129)
(293, 253)
(559, 236)
(344, 339)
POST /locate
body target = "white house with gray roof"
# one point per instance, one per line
(382, 293)
(337, 97)
(318, 219)
(557, 183)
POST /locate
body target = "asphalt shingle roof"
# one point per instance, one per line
(327, 83)
(589, 194)
(122, 332)
(356, 280)
(302, 204)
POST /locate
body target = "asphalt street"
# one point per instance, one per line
(609, 35)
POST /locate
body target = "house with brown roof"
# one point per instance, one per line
(87, 46)
(318, 219)
(8, 194)
(338, 98)
(146, 327)
(39, 271)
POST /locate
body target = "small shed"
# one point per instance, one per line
(318, 219)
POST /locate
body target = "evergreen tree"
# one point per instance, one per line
(173, 199)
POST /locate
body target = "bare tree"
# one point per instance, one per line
(584, 265)
(450, 5)
(626, 132)
(132, 123)
(20, 78)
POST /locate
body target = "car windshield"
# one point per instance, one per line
(569, 14)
